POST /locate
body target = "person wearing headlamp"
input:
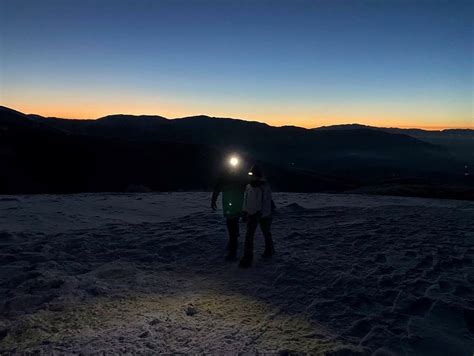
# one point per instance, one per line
(258, 207)
(231, 183)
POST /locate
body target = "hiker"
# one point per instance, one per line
(232, 185)
(257, 206)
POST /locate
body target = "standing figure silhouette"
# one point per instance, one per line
(231, 183)
(258, 207)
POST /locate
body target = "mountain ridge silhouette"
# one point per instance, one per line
(297, 159)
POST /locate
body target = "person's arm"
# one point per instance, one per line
(215, 194)
(267, 201)
(245, 202)
(244, 205)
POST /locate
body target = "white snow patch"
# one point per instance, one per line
(144, 273)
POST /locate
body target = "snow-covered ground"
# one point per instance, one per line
(145, 273)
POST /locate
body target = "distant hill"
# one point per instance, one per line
(459, 142)
(465, 133)
(344, 127)
(361, 152)
(15, 122)
(59, 156)
(123, 152)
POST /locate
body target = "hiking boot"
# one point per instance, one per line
(268, 253)
(231, 257)
(245, 262)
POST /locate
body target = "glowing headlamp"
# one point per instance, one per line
(234, 161)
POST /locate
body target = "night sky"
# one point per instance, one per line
(305, 63)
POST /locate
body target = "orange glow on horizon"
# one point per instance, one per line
(91, 112)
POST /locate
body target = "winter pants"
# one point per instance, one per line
(265, 225)
(233, 230)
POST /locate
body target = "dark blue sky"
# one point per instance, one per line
(392, 63)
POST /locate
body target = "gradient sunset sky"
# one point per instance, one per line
(306, 63)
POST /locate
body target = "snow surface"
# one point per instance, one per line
(145, 273)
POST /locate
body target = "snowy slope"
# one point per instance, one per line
(144, 273)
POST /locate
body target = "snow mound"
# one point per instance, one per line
(292, 208)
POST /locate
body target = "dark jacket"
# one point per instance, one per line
(232, 185)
